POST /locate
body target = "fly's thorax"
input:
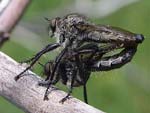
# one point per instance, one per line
(73, 19)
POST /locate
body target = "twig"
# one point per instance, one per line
(26, 94)
(10, 16)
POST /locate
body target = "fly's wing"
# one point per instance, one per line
(106, 34)
(108, 39)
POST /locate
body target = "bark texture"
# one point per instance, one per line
(9, 17)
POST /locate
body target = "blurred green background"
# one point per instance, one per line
(125, 90)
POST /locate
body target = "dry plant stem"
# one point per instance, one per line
(12, 14)
(26, 94)
(10, 17)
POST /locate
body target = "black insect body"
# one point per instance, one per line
(69, 68)
(67, 72)
(70, 72)
(84, 45)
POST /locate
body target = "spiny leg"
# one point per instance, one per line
(67, 96)
(86, 49)
(85, 94)
(50, 77)
(92, 49)
(48, 48)
(22, 73)
(48, 68)
(72, 75)
(84, 74)
(49, 80)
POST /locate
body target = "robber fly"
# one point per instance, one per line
(77, 35)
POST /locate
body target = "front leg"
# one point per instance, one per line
(67, 96)
(47, 71)
(48, 48)
(85, 94)
(50, 78)
(71, 72)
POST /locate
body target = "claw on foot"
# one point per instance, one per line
(17, 78)
(43, 83)
(46, 98)
(64, 99)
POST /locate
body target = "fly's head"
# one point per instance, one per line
(63, 28)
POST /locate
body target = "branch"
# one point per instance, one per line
(9, 17)
(26, 94)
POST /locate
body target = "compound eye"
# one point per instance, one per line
(52, 27)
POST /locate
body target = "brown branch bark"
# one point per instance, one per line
(10, 16)
(26, 94)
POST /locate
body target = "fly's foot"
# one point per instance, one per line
(46, 94)
(43, 83)
(46, 98)
(64, 99)
(23, 73)
(49, 87)
(17, 78)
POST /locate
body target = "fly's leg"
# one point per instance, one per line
(71, 75)
(85, 94)
(86, 49)
(83, 72)
(67, 96)
(115, 61)
(47, 71)
(48, 67)
(48, 48)
(50, 77)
